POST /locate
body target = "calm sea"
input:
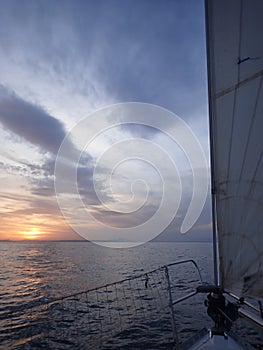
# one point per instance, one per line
(132, 314)
(51, 269)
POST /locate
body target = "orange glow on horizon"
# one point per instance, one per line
(32, 234)
(43, 230)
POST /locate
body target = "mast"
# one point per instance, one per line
(212, 143)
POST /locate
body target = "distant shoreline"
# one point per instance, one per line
(86, 241)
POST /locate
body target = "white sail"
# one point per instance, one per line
(235, 68)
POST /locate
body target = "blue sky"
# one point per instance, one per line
(63, 60)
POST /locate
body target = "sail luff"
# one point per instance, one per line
(235, 62)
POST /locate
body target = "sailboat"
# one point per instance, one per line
(235, 59)
(235, 62)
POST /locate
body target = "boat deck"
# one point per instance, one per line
(216, 342)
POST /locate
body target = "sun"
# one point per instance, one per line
(32, 234)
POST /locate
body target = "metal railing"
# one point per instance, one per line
(150, 308)
(137, 308)
(172, 302)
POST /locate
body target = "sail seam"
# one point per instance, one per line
(239, 84)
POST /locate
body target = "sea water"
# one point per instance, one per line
(36, 273)
(51, 269)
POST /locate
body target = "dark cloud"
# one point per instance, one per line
(140, 45)
(35, 125)
(125, 220)
(43, 187)
(148, 51)
(201, 231)
(86, 186)
(30, 122)
(37, 207)
(133, 48)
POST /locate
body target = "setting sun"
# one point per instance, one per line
(32, 234)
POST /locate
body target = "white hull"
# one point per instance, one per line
(216, 342)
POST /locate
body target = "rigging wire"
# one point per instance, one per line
(250, 131)
(253, 182)
(241, 180)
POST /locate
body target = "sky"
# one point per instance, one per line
(77, 84)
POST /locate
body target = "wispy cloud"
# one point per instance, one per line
(59, 63)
